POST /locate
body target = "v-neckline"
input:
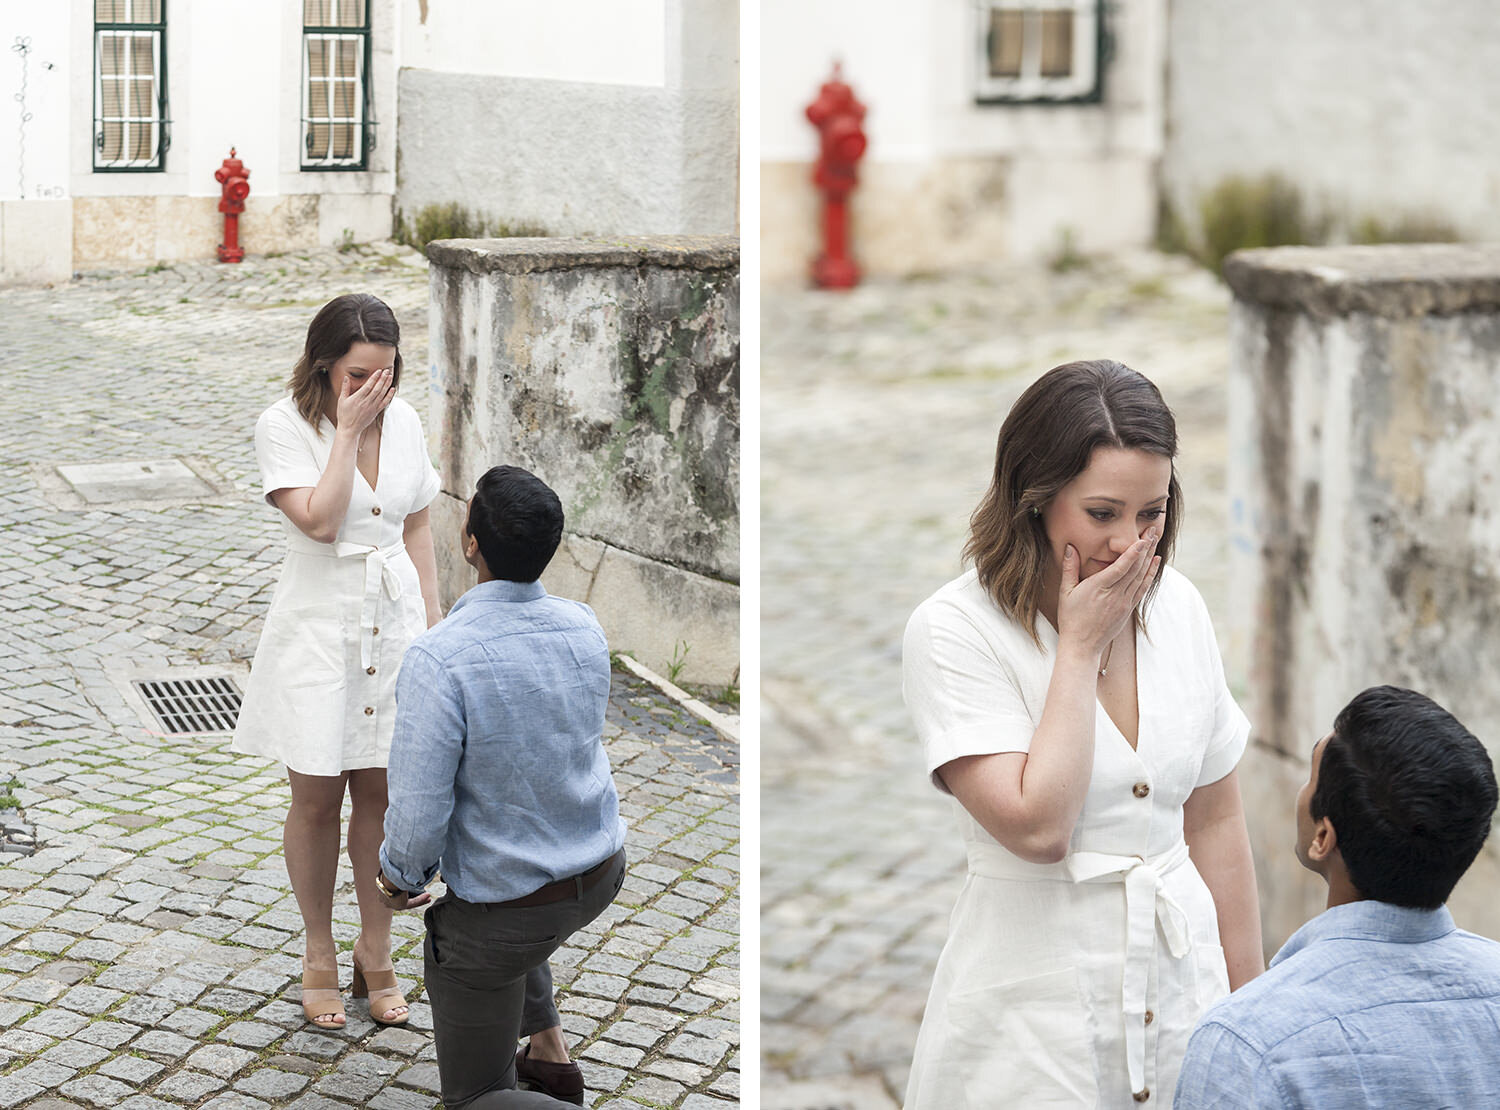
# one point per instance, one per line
(1050, 638)
(1139, 715)
(378, 468)
(379, 461)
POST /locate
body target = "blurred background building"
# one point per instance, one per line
(358, 119)
(1064, 179)
(1010, 130)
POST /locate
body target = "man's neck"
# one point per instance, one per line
(1341, 891)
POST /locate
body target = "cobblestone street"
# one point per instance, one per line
(891, 395)
(150, 945)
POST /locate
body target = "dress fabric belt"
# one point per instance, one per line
(1146, 903)
(381, 581)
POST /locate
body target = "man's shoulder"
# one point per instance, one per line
(1338, 978)
(1265, 1010)
(479, 622)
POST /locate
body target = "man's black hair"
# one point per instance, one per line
(518, 522)
(1410, 792)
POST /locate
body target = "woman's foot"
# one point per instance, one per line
(375, 977)
(322, 1002)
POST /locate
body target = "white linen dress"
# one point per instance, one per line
(322, 691)
(1073, 984)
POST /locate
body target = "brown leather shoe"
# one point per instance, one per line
(562, 1081)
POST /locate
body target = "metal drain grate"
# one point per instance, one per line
(192, 704)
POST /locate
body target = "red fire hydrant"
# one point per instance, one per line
(235, 179)
(837, 115)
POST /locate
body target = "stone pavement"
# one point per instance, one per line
(891, 395)
(150, 947)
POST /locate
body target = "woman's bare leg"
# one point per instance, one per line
(310, 839)
(366, 831)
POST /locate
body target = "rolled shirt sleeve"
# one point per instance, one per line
(425, 753)
(283, 452)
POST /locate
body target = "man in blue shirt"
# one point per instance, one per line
(1379, 1001)
(498, 776)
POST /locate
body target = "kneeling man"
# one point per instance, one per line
(498, 775)
(1379, 1001)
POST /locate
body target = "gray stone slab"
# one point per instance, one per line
(189, 1086)
(136, 480)
(130, 1069)
(96, 1090)
(271, 1084)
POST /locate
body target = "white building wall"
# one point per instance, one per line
(948, 181)
(45, 149)
(585, 117)
(35, 212)
(1383, 112)
(619, 42)
(234, 78)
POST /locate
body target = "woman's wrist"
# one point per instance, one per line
(1071, 652)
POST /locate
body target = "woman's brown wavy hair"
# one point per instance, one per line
(1047, 441)
(340, 324)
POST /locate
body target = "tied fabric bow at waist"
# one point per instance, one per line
(1147, 903)
(381, 580)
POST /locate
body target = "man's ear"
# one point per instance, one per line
(1325, 841)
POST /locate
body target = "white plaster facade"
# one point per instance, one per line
(234, 76)
(588, 119)
(1377, 115)
(948, 180)
(233, 80)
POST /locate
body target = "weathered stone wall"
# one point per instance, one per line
(610, 369)
(1364, 516)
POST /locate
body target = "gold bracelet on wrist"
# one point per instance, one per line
(386, 889)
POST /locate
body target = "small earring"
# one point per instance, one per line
(1035, 511)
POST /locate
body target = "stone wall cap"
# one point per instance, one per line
(1405, 279)
(525, 256)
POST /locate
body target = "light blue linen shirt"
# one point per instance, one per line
(498, 773)
(1367, 1005)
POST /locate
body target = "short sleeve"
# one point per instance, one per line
(1231, 728)
(283, 452)
(962, 697)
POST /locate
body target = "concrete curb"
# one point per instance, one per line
(726, 726)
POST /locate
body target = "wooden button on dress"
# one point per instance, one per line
(369, 711)
(1141, 789)
(1143, 1095)
(369, 670)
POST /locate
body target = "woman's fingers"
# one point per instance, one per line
(1126, 568)
(1069, 568)
(1150, 576)
(1148, 552)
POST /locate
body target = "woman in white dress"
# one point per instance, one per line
(1069, 694)
(345, 461)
